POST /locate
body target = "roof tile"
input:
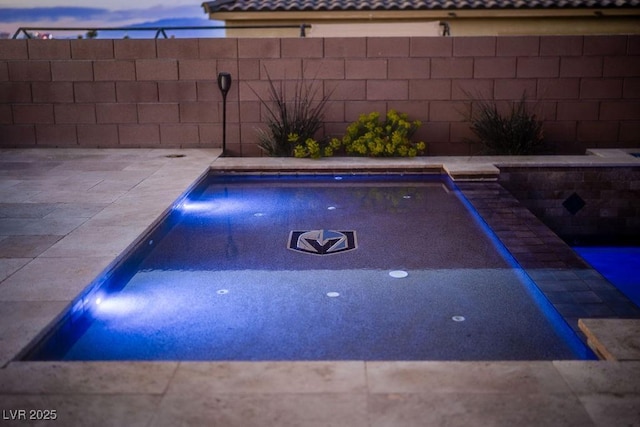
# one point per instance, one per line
(342, 5)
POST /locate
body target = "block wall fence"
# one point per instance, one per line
(163, 93)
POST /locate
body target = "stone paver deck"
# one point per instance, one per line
(67, 215)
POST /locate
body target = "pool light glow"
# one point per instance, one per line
(213, 207)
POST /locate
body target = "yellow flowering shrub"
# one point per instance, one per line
(369, 136)
(310, 147)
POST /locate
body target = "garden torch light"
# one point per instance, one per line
(224, 83)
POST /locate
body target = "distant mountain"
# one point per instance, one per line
(169, 25)
(179, 22)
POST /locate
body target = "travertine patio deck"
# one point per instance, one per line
(67, 214)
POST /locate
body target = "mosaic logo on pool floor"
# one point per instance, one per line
(322, 242)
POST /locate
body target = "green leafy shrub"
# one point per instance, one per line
(369, 136)
(291, 120)
(517, 133)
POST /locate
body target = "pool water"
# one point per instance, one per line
(620, 265)
(315, 268)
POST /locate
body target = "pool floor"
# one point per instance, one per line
(478, 314)
(224, 283)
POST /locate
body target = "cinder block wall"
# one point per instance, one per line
(604, 204)
(163, 93)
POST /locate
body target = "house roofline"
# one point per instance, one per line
(424, 14)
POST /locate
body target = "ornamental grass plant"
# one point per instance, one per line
(291, 119)
(518, 132)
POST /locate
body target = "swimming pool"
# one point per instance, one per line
(347, 267)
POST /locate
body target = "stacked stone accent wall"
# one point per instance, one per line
(581, 204)
(163, 93)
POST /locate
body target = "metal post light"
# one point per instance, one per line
(224, 83)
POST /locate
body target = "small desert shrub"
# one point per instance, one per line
(291, 120)
(369, 136)
(517, 133)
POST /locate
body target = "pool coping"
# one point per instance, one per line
(461, 168)
(351, 393)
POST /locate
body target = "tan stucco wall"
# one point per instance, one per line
(546, 26)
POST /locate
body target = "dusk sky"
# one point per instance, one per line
(107, 13)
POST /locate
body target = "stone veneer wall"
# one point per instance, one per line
(163, 93)
(610, 207)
